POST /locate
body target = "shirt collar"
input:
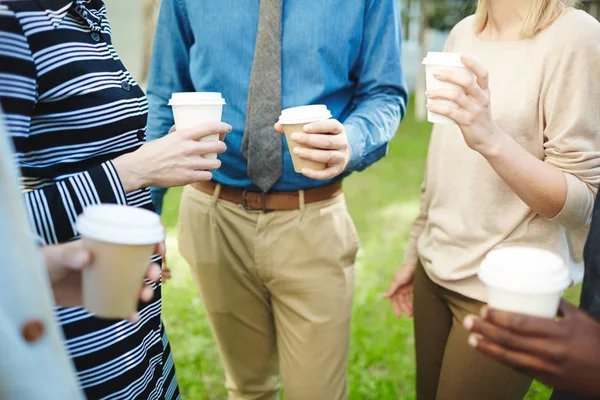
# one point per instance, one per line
(56, 9)
(55, 5)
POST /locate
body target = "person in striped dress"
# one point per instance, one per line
(78, 121)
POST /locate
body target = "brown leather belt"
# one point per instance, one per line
(274, 201)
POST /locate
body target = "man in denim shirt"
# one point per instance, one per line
(273, 250)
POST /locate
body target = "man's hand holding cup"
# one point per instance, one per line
(318, 144)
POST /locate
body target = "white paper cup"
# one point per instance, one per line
(122, 240)
(193, 108)
(436, 62)
(524, 280)
(293, 120)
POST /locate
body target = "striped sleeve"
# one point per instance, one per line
(52, 209)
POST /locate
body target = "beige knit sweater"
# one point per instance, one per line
(545, 93)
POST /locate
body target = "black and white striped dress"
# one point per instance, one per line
(72, 107)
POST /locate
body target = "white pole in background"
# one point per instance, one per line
(420, 100)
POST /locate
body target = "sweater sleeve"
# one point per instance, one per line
(571, 112)
(52, 209)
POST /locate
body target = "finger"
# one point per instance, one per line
(322, 156)
(326, 174)
(330, 126)
(566, 309)
(160, 249)
(206, 129)
(173, 129)
(205, 164)
(198, 176)
(537, 346)
(458, 115)
(462, 79)
(279, 128)
(153, 273)
(401, 278)
(457, 96)
(134, 318)
(521, 324)
(208, 147)
(396, 306)
(321, 141)
(70, 255)
(481, 74)
(146, 294)
(166, 273)
(532, 365)
(407, 304)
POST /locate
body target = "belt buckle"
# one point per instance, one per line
(249, 208)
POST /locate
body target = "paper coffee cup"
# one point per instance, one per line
(293, 120)
(193, 108)
(122, 240)
(442, 61)
(525, 280)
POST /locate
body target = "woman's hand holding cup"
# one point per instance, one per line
(174, 160)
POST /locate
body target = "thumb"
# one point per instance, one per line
(402, 277)
(279, 128)
(565, 308)
(75, 256)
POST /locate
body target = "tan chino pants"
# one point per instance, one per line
(278, 290)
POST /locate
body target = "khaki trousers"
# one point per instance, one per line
(447, 367)
(278, 290)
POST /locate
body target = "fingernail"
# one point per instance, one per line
(484, 312)
(79, 258)
(472, 341)
(468, 322)
(295, 136)
(297, 151)
(308, 128)
(229, 128)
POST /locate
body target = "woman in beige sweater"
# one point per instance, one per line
(521, 168)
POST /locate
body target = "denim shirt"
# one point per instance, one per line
(342, 53)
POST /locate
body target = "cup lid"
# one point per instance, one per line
(440, 58)
(196, 98)
(524, 270)
(114, 223)
(304, 114)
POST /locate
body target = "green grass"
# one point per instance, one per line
(383, 201)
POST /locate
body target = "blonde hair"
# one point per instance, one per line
(541, 15)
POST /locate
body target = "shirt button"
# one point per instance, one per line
(95, 36)
(140, 136)
(126, 86)
(33, 330)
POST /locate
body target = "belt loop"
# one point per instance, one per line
(301, 202)
(216, 194)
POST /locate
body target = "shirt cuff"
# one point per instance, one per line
(356, 142)
(578, 208)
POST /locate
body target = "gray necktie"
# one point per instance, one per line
(262, 144)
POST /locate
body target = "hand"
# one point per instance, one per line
(166, 271)
(473, 115)
(325, 142)
(65, 263)
(174, 160)
(401, 290)
(564, 354)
